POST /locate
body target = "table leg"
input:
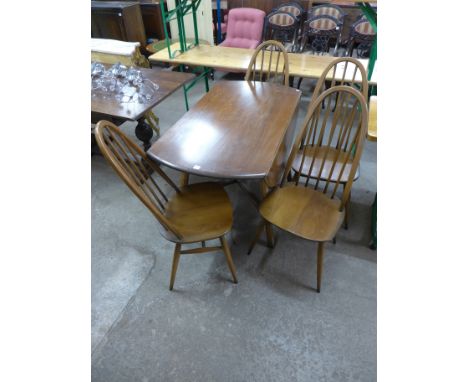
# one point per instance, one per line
(144, 133)
(184, 179)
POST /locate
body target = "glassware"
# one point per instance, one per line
(147, 90)
(125, 85)
(118, 70)
(97, 69)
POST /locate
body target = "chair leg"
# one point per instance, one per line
(269, 235)
(175, 263)
(257, 235)
(299, 83)
(184, 179)
(227, 253)
(319, 265)
(346, 215)
(346, 209)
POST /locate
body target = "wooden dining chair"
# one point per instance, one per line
(260, 66)
(341, 71)
(194, 213)
(314, 209)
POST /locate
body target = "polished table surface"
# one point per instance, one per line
(168, 83)
(236, 131)
(237, 59)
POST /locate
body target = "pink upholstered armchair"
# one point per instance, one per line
(245, 28)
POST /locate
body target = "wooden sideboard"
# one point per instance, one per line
(152, 19)
(150, 13)
(118, 20)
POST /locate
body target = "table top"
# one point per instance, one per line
(235, 131)
(237, 59)
(168, 83)
(372, 127)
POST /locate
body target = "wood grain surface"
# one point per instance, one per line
(235, 131)
(237, 59)
(168, 83)
(372, 129)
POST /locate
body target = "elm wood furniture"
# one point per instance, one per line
(194, 213)
(118, 20)
(168, 83)
(338, 69)
(239, 130)
(313, 210)
(271, 52)
(237, 59)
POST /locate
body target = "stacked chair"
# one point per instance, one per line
(362, 37)
(309, 202)
(284, 24)
(322, 29)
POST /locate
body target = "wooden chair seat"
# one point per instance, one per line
(303, 211)
(199, 212)
(190, 214)
(315, 210)
(329, 154)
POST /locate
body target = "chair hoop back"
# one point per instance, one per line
(343, 71)
(259, 69)
(330, 10)
(281, 19)
(292, 7)
(322, 23)
(363, 28)
(132, 165)
(329, 145)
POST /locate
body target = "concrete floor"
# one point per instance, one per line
(272, 326)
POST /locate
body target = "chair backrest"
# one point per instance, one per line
(281, 26)
(343, 71)
(362, 28)
(327, 10)
(293, 8)
(332, 141)
(322, 23)
(132, 165)
(260, 67)
(282, 20)
(244, 28)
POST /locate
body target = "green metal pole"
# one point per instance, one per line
(186, 99)
(195, 25)
(371, 15)
(179, 25)
(166, 33)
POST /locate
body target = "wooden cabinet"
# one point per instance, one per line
(119, 20)
(152, 19)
